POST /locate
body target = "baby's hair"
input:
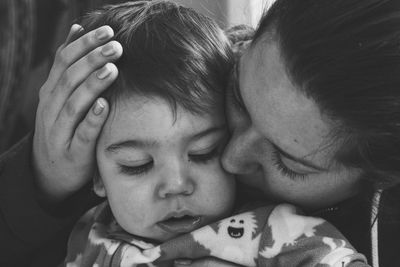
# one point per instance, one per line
(169, 51)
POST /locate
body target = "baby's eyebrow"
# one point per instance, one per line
(147, 143)
(134, 143)
(209, 131)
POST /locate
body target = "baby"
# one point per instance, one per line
(158, 157)
(158, 153)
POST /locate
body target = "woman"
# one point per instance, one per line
(314, 117)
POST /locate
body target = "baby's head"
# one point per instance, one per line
(158, 153)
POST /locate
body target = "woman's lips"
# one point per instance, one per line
(180, 223)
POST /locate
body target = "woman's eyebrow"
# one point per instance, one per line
(302, 161)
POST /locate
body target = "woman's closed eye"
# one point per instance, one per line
(286, 171)
(136, 170)
(294, 170)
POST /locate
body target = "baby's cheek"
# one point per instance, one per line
(132, 217)
(138, 208)
(214, 179)
(222, 189)
(126, 203)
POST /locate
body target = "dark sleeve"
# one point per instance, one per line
(27, 226)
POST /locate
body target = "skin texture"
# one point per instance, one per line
(176, 179)
(274, 113)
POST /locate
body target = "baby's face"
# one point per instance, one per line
(162, 175)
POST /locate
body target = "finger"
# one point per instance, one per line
(81, 69)
(87, 42)
(78, 73)
(79, 102)
(73, 34)
(84, 141)
(67, 55)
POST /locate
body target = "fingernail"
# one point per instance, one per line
(182, 262)
(108, 50)
(99, 106)
(76, 28)
(102, 33)
(103, 72)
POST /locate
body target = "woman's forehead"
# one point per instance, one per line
(279, 111)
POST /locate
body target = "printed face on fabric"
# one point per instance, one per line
(280, 140)
(161, 171)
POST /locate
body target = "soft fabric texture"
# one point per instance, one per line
(267, 236)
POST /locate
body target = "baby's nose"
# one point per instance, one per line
(174, 184)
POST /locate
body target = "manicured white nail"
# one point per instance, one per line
(108, 50)
(76, 28)
(102, 33)
(103, 72)
(99, 106)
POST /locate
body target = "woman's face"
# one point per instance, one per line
(280, 140)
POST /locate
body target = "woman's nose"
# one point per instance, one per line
(175, 182)
(240, 155)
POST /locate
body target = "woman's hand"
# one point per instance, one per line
(69, 118)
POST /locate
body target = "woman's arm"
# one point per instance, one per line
(26, 223)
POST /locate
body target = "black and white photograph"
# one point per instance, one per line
(199, 133)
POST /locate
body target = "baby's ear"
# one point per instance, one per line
(98, 186)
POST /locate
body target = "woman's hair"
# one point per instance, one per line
(169, 51)
(345, 54)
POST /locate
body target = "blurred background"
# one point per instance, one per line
(31, 31)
